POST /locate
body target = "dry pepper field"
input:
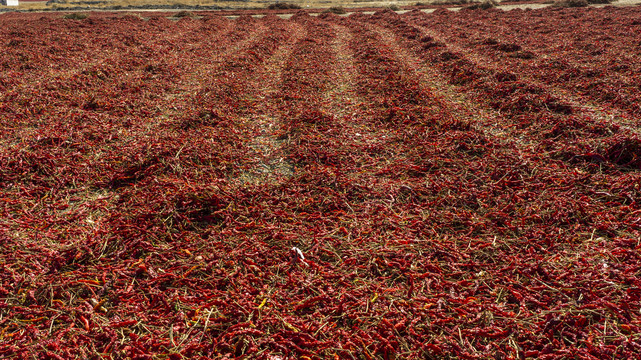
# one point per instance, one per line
(453, 185)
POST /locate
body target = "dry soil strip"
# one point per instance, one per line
(483, 119)
(270, 165)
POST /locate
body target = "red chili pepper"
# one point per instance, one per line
(125, 323)
(85, 323)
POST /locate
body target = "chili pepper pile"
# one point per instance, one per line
(445, 185)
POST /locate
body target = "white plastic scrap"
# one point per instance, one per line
(297, 255)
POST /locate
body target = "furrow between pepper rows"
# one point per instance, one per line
(319, 191)
(533, 109)
(70, 145)
(598, 70)
(552, 173)
(160, 189)
(488, 55)
(268, 119)
(102, 171)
